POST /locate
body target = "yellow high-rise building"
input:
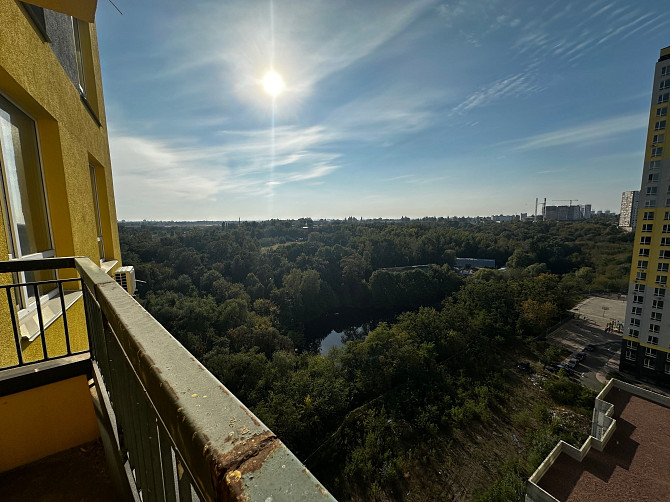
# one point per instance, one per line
(646, 342)
(56, 197)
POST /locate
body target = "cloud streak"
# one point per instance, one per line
(585, 134)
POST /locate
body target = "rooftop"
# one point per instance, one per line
(633, 464)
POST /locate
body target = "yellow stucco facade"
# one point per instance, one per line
(28, 420)
(72, 139)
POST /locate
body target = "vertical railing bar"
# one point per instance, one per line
(168, 464)
(151, 450)
(130, 426)
(184, 484)
(140, 464)
(15, 328)
(148, 494)
(41, 322)
(65, 327)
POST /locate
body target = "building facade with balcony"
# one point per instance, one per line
(80, 359)
(57, 193)
(645, 349)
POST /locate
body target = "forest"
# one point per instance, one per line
(367, 417)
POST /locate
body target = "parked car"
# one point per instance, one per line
(568, 371)
(580, 356)
(523, 365)
(572, 363)
(590, 347)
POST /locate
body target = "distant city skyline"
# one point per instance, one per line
(388, 109)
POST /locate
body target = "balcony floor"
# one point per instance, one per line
(74, 475)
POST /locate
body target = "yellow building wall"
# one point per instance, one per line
(40, 422)
(70, 139)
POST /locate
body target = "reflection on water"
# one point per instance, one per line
(339, 338)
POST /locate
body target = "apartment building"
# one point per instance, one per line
(646, 340)
(629, 207)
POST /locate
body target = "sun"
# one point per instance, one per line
(273, 83)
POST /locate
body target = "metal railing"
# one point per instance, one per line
(178, 433)
(16, 266)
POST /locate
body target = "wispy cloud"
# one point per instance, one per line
(521, 84)
(585, 134)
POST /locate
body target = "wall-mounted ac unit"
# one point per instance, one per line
(125, 277)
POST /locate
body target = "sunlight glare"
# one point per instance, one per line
(273, 83)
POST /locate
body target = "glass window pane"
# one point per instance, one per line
(22, 179)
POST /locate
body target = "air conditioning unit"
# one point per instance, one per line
(125, 277)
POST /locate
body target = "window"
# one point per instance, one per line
(650, 203)
(656, 316)
(657, 152)
(662, 112)
(630, 355)
(649, 215)
(657, 304)
(659, 125)
(652, 190)
(81, 83)
(630, 344)
(667, 369)
(649, 363)
(647, 227)
(634, 333)
(636, 311)
(94, 185)
(638, 299)
(664, 84)
(663, 98)
(639, 288)
(655, 328)
(643, 252)
(660, 292)
(665, 71)
(664, 255)
(23, 199)
(662, 280)
(641, 276)
(652, 178)
(655, 164)
(665, 241)
(635, 322)
(645, 240)
(658, 138)
(642, 264)
(666, 229)
(662, 267)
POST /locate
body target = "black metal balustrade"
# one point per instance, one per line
(16, 266)
(178, 433)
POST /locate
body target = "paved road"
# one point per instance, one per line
(590, 328)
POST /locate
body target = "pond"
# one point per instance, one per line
(340, 338)
(335, 330)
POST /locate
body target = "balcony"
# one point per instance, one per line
(170, 430)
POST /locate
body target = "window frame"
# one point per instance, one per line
(24, 305)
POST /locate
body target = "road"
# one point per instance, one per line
(590, 328)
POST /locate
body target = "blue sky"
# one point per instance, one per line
(422, 108)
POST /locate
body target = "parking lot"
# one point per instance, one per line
(594, 315)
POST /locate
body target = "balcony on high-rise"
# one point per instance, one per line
(88, 363)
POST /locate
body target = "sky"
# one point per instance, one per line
(390, 108)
